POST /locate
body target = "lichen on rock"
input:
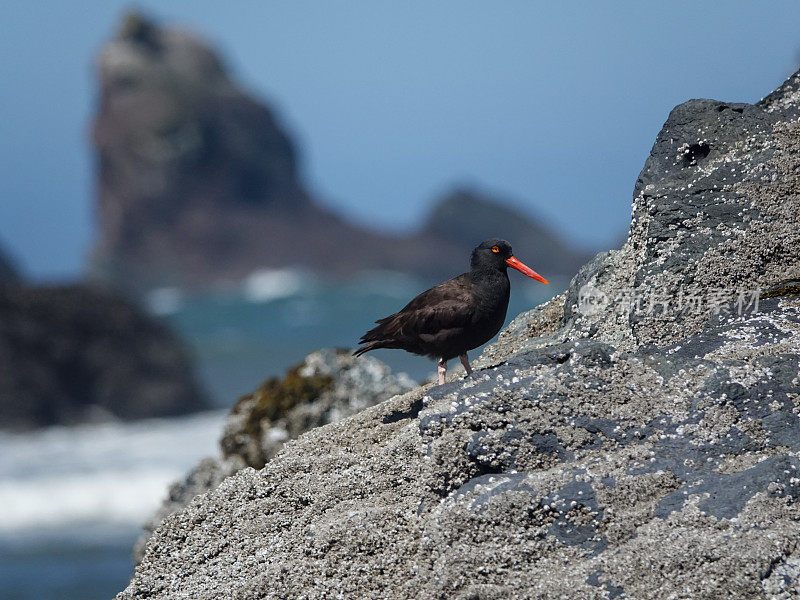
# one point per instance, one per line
(326, 387)
(269, 403)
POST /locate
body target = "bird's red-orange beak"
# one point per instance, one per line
(525, 270)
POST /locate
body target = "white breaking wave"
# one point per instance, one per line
(107, 473)
(271, 284)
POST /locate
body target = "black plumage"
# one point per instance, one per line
(455, 316)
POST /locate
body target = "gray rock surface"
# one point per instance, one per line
(327, 386)
(602, 450)
(205, 476)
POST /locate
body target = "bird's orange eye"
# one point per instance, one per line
(495, 249)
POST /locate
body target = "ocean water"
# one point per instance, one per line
(72, 500)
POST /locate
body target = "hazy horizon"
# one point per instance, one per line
(553, 107)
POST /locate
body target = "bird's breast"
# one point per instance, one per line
(491, 303)
(491, 294)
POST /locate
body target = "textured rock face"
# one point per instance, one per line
(715, 213)
(601, 451)
(74, 354)
(326, 387)
(198, 184)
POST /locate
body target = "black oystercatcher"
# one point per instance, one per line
(455, 316)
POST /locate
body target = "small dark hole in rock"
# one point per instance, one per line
(695, 153)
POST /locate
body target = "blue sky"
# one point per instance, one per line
(552, 105)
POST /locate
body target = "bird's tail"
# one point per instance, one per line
(371, 346)
(377, 337)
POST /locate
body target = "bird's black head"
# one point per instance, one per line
(491, 254)
(496, 254)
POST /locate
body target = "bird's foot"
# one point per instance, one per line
(442, 368)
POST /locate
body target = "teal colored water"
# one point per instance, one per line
(66, 564)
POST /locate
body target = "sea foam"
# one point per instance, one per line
(107, 473)
(271, 284)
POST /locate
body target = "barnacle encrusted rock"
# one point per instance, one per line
(637, 437)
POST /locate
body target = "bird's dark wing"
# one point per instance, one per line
(455, 290)
(443, 307)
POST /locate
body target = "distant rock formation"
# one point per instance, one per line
(637, 436)
(465, 217)
(198, 184)
(74, 354)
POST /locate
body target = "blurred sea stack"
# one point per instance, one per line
(465, 216)
(198, 184)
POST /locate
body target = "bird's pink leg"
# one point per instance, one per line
(465, 362)
(442, 370)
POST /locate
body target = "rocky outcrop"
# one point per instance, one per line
(326, 387)
(329, 385)
(75, 354)
(198, 183)
(465, 217)
(637, 436)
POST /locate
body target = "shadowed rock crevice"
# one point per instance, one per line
(411, 413)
